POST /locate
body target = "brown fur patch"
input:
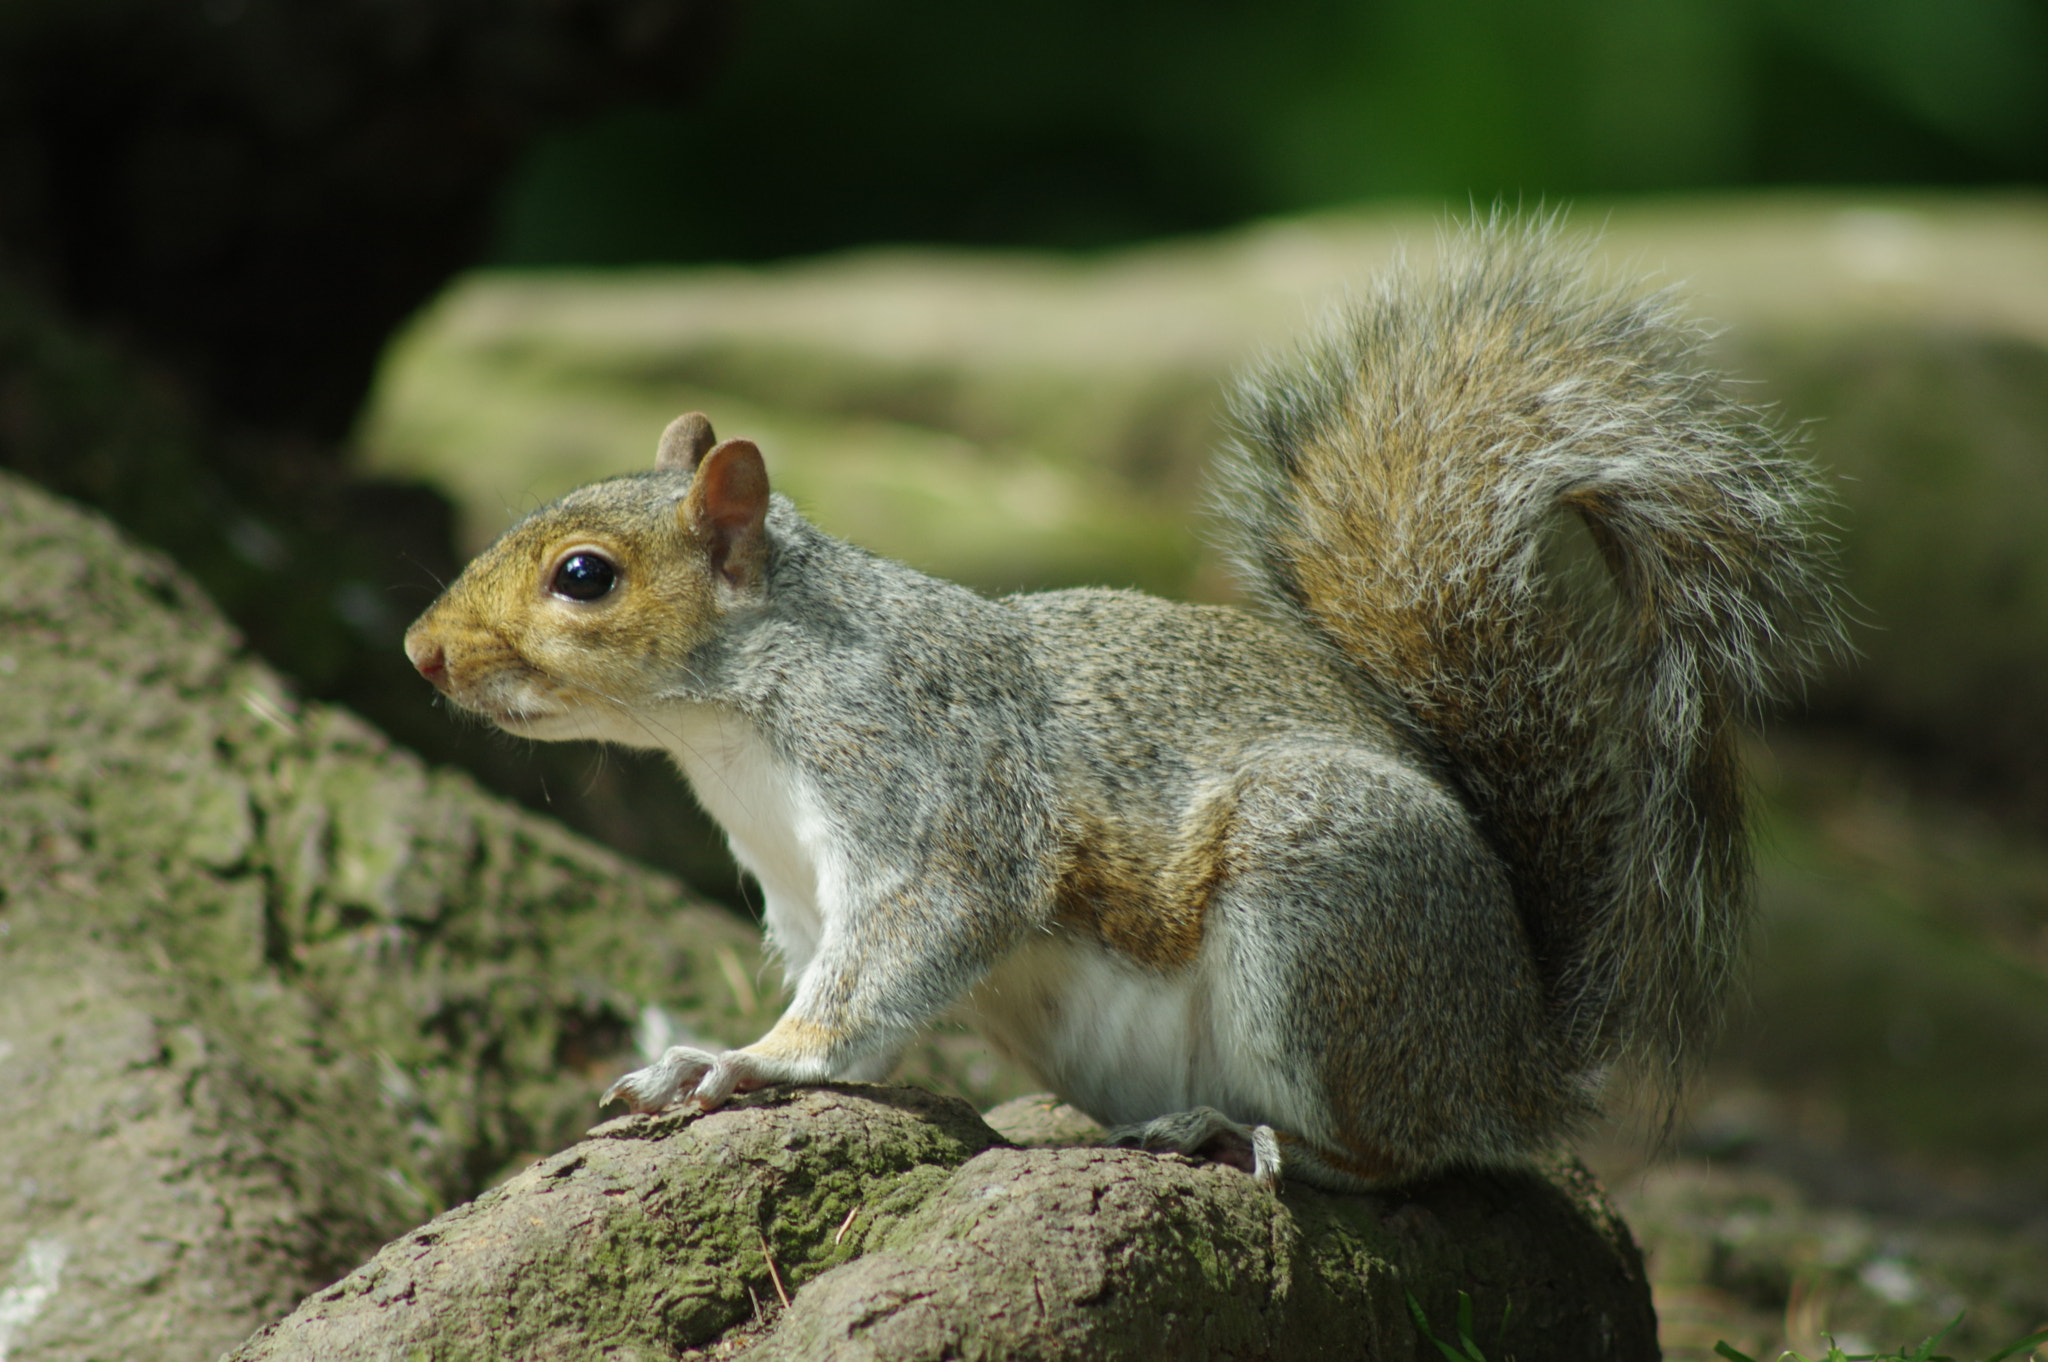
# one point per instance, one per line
(1146, 898)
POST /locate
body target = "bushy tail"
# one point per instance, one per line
(1400, 487)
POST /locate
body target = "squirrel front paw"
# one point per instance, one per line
(705, 1078)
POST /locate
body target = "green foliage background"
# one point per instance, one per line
(1078, 124)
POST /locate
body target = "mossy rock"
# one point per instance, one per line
(852, 1222)
(275, 990)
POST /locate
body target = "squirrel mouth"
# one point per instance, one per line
(505, 717)
(516, 718)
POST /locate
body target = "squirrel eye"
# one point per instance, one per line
(584, 577)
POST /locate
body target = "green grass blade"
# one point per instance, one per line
(1422, 1326)
(2026, 1344)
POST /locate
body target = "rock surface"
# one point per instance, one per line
(854, 1222)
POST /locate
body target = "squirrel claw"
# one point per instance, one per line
(658, 1085)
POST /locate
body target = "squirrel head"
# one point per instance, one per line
(584, 614)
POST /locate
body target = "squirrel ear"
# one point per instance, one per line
(685, 443)
(727, 505)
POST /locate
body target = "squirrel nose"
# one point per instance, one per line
(431, 660)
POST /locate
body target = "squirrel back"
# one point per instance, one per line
(1401, 486)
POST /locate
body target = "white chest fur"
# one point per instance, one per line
(776, 830)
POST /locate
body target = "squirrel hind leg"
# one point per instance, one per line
(1206, 1133)
(1265, 1153)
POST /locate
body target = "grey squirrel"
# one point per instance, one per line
(1380, 880)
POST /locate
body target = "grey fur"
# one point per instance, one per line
(1379, 884)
